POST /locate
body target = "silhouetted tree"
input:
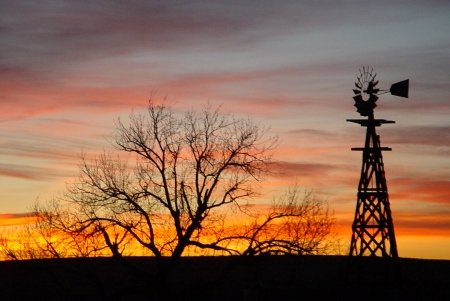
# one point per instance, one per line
(294, 224)
(186, 168)
(47, 235)
(191, 172)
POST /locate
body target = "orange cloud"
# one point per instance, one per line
(14, 219)
(421, 189)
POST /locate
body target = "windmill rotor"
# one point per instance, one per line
(366, 91)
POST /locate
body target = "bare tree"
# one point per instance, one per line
(189, 173)
(295, 224)
(187, 167)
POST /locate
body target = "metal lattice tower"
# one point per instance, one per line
(373, 228)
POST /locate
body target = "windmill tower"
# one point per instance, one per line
(373, 228)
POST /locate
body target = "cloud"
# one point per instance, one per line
(423, 223)
(72, 31)
(64, 30)
(315, 134)
(109, 53)
(428, 135)
(307, 170)
(27, 172)
(435, 189)
(14, 219)
(14, 215)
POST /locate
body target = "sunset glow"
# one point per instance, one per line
(69, 69)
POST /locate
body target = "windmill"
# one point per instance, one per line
(373, 228)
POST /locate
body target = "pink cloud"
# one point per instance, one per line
(421, 189)
(26, 172)
(302, 169)
(423, 223)
(430, 135)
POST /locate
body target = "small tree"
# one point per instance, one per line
(294, 224)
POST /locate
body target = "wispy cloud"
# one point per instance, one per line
(414, 223)
(302, 169)
(428, 135)
(14, 219)
(421, 189)
(30, 172)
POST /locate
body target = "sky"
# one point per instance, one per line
(68, 69)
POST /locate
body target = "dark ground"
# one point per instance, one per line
(258, 278)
